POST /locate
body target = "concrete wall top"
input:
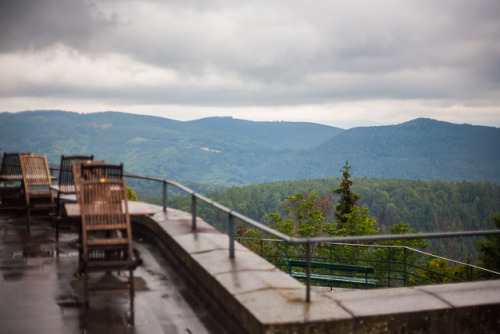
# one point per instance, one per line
(266, 300)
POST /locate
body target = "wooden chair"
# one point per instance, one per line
(66, 184)
(11, 177)
(37, 184)
(106, 235)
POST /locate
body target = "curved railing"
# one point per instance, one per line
(308, 242)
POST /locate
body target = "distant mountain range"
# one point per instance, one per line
(228, 151)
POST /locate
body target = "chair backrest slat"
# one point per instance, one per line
(11, 164)
(77, 173)
(100, 171)
(104, 206)
(66, 176)
(36, 175)
(35, 170)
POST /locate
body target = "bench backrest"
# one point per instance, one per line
(332, 266)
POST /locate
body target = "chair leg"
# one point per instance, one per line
(58, 219)
(86, 288)
(132, 295)
(58, 204)
(28, 217)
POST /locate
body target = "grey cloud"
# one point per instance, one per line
(289, 52)
(28, 25)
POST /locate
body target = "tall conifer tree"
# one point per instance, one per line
(348, 199)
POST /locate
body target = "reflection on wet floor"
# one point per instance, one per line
(40, 293)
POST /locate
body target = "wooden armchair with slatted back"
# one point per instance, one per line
(11, 176)
(37, 184)
(106, 234)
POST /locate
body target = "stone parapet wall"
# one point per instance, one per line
(265, 300)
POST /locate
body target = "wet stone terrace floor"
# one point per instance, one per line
(40, 293)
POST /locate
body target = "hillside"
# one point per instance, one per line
(434, 150)
(152, 146)
(226, 151)
(280, 135)
(419, 149)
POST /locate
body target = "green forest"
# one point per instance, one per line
(336, 207)
(425, 205)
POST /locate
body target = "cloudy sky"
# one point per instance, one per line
(342, 63)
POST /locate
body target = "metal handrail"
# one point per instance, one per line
(389, 262)
(294, 240)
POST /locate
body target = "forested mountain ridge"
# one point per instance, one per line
(280, 135)
(226, 151)
(419, 149)
(153, 146)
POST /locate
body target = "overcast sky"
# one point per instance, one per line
(343, 63)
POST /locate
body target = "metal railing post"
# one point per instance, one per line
(308, 271)
(165, 196)
(404, 268)
(331, 253)
(193, 212)
(389, 269)
(231, 235)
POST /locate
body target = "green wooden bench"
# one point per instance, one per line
(365, 281)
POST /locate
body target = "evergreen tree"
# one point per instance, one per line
(347, 200)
